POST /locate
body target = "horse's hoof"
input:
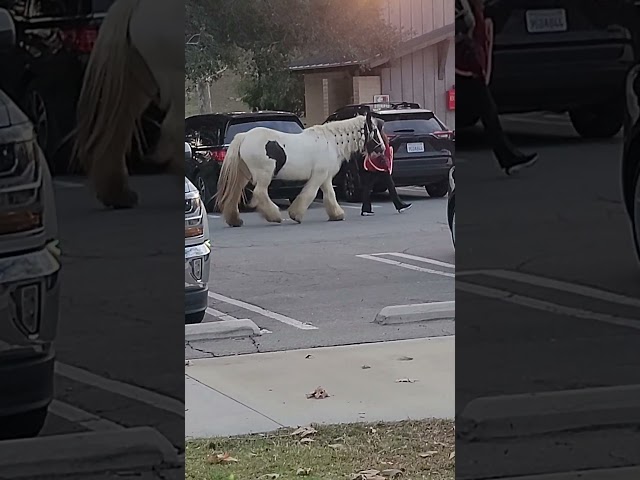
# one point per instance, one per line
(296, 217)
(237, 223)
(336, 219)
(124, 199)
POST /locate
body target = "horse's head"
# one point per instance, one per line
(373, 142)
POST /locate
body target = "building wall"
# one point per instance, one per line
(415, 77)
(365, 87)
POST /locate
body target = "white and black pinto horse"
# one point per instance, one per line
(315, 155)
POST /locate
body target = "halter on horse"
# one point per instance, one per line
(315, 155)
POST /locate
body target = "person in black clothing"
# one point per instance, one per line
(378, 169)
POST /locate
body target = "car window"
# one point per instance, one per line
(419, 124)
(282, 125)
(63, 8)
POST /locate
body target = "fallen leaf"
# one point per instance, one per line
(391, 473)
(221, 458)
(365, 367)
(318, 393)
(337, 446)
(303, 471)
(406, 380)
(306, 440)
(405, 359)
(269, 476)
(430, 453)
(368, 475)
(304, 432)
(452, 455)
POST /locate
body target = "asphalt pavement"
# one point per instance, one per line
(321, 283)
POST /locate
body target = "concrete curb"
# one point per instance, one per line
(621, 473)
(203, 332)
(550, 412)
(421, 312)
(85, 453)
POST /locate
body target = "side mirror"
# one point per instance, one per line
(7, 30)
(188, 153)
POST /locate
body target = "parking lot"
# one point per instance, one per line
(323, 283)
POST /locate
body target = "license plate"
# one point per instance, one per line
(415, 147)
(545, 21)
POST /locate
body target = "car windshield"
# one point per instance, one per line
(64, 8)
(281, 125)
(418, 124)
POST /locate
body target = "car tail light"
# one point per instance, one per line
(444, 134)
(80, 40)
(218, 154)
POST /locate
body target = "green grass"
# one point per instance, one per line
(409, 450)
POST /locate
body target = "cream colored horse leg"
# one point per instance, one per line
(300, 205)
(263, 203)
(334, 210)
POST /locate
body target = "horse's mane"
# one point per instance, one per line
(347, 134)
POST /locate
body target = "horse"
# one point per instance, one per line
(137, 62)
(316, 155)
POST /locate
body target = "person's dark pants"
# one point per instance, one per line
(474, 97)
(368, 179)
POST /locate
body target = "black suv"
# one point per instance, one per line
(560, 56)
(44, 72)
(423, 148)
(209, 136)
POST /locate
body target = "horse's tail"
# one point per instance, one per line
(103, 111)
(234, 175)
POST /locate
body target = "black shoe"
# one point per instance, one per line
(522, 162)
(405, 207)
(367, 214)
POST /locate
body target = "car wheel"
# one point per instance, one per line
(206, 195)
(451, 214)
(23, 425)
(193, 318)
(602, 121)
(438, 190)
(350, 187)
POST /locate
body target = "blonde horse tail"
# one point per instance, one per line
(234, 176)
(104, 112)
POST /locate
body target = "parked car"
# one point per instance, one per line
(44, 72)
(423, 148)
(197, 252)
(560, 56)
(631, 155)
(209, 135)
(451, 205)
(29, 270)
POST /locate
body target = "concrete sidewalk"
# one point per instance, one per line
(266, 391)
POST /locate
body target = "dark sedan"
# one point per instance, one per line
(209, 136)
(423, 149)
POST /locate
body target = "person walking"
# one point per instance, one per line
(474, 37)
(376, 169)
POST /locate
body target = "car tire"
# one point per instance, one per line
(451, 217)
(438, 190)
(23, 425)
(207, 196)
(194, 318)
(602, 121)
(349, 183)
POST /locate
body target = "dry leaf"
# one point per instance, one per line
(304, 432)
(221, 458)
(391, 473)
(405, 359)
(365, 367)
(306, 440)
(430, 453)
(368, 475)
(303, 471)
(452, 455)
(406, 380)
(269, 476)
(318, 393)
(337, 446)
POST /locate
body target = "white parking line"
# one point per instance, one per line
(139, 394)
(417, 259)
(210, 215)
(264, 312)
(544, 306)
(408, 266)
(81, 417)
(218, 314)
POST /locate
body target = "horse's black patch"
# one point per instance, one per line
(276, 152)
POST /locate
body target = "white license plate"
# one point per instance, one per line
(415, 147)
(544, 21)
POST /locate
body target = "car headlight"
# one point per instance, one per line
(21, 207)
(193, 215)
